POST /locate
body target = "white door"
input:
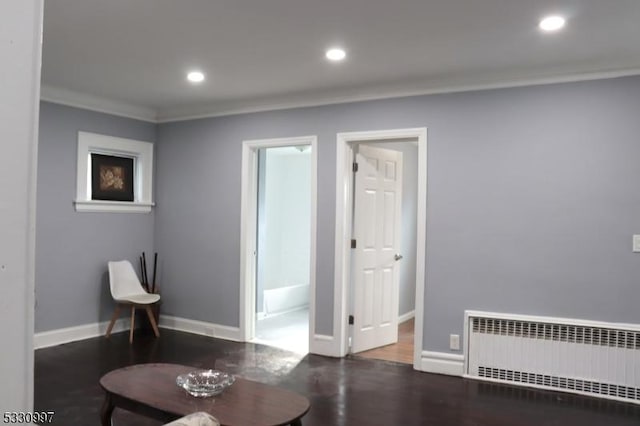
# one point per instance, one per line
(376, 229)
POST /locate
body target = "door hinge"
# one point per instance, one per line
(350, 319)
(353, 243)
(355, 167)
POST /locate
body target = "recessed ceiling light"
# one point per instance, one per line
(552, 23)
(335, 54)
(195, 77)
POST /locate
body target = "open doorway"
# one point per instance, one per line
(344, 325)
(383, 261)
(278, 239)
(283, 241)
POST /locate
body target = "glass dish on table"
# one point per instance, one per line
(205, 383)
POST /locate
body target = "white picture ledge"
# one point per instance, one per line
(100, 206)
(142, 155)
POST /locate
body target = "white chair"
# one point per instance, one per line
(127, 290)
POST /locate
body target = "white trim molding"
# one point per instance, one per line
(202, 328)
(112, 206)
(89, 102)
(100, 104)
(248, 221)
(321, 344)
(141, 152)
(45, 339)
(378, 92)
(406, 317)
(343, 232)
(442, 363)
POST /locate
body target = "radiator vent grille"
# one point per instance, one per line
(556, 382)
(558, 332)
(585, 357)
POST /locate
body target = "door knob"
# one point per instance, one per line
(397, 256)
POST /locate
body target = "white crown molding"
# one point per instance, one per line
(382, 92)
(81, 100)
(167, 115)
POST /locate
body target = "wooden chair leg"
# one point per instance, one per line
(152, 320)
(133, 323)
(114, 317)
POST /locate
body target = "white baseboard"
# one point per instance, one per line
(406, 317)
(442, 363)
(323, 345)
(59, 336)
(201, 327)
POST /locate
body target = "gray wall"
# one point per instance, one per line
(532, 202)
(409, 224)
(72, 249)
(20, 49)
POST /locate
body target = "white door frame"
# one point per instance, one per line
(248, 229)
(344, 212)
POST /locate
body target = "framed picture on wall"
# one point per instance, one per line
(112, 178)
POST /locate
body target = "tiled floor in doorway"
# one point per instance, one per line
(288, 331)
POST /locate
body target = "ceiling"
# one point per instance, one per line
(131, 56)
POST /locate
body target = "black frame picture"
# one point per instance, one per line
(112, 178)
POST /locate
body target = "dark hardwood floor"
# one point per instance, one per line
(349, 391)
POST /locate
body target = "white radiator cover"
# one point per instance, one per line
(585, 357)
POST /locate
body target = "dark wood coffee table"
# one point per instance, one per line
(151, 390)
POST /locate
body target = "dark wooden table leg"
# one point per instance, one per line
(296, 422)
(107, 411)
